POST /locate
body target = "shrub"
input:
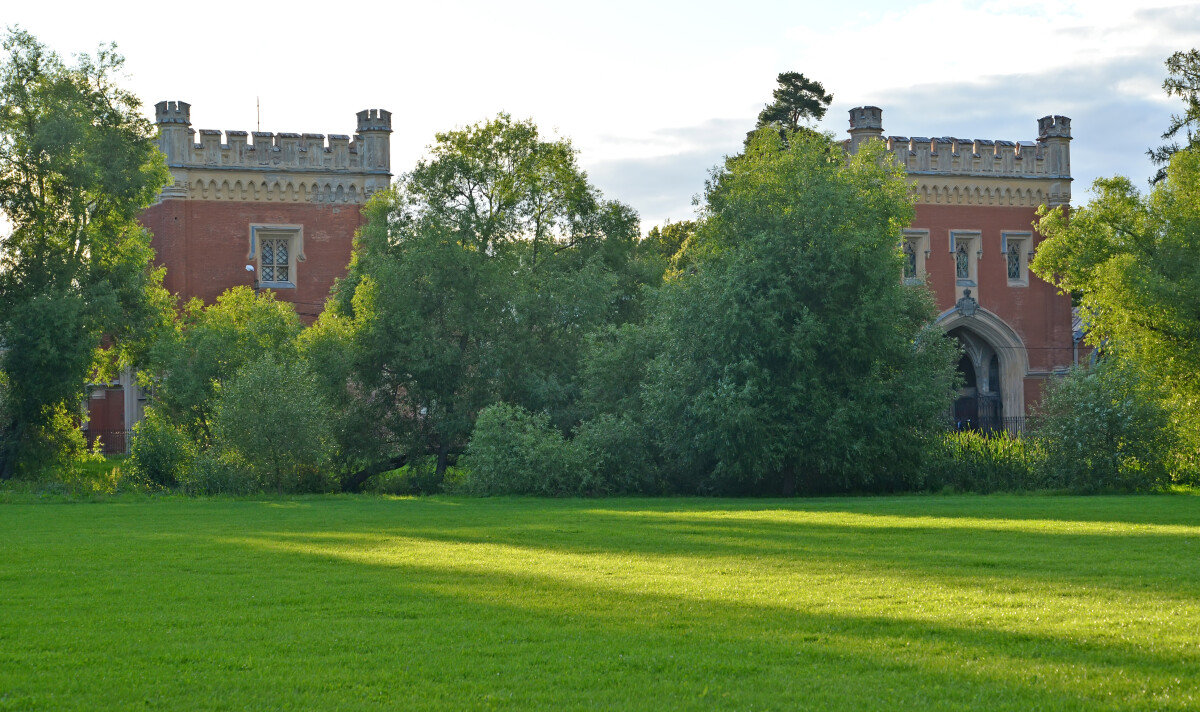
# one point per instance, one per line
(160, 452)
(216, 471)
(971, 461)
(622, 460)
(270, 419)
(1106, 428)
(513, 451)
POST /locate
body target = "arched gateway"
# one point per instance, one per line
(994, 364)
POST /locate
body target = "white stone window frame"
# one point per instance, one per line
(973, 240)
(1024, 242)
(294, 234)
(919, 239)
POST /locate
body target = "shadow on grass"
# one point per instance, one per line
(630, 624)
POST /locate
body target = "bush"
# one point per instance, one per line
(160, 452)
(513, 451)
(217, 471)
(1106, 428)
(621, 458)
(270, 419)
(971, 461)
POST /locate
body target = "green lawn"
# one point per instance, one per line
(990, 603)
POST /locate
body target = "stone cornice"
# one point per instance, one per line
(290, 186)
(1010, 191)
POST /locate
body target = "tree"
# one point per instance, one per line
(77, 165)
(475, 281)
(1183, 82)
(1133, 261)
(793, 359)
(1105, 428)
(796, 100)
(208, 345)
(272, 417)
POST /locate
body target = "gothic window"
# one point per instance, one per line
(962, 261)
(1014, 260)
(277, 249)
(274, 260)
(910, 260)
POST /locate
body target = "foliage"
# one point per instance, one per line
(971, 461)
(220, 471)
(1000, 603)
(419, 478)
(1133, 261)
(1184, 82)
(793, 359)
(665, 247)
(160, 452)
(513, 451)
(207, 345)
(621, 458)
(77, 165)
(1106, 429)
(795, 101)
(476, 280)
(271, 417)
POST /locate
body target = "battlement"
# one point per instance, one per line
(1048, 157)
(866, 117)
(374, 120)
(368, 152)
(173, 112)
(1054, 127)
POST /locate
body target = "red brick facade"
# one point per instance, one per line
(971, 242)
(205, 246)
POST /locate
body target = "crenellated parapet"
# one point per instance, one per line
(985, 172)
(265, 163)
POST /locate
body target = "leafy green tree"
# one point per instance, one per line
(475, 280)
(1184, 82)
(1105, 428)
(667, 241)
(207, 345)
(794, 359)
(78, 163)
(1133, 261)
(272, 417)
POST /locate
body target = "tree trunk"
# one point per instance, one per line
(354, 482)
(442, 460)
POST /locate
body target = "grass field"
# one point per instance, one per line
(919, 603)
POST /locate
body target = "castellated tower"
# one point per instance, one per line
(971, 243)
(286, 205)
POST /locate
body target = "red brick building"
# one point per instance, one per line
(971, 243)
(273, 211)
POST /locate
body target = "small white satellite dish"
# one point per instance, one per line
(249, 268)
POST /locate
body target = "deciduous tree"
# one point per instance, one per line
(475, 281)
(1133, 261)
(794, 359)
(77, 165)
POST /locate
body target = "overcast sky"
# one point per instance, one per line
(652, 94)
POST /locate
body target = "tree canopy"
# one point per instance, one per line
(1133, 261)
(1183, 81)
(795, 101)
(476, 279)
(791, 358)
(78, 163)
